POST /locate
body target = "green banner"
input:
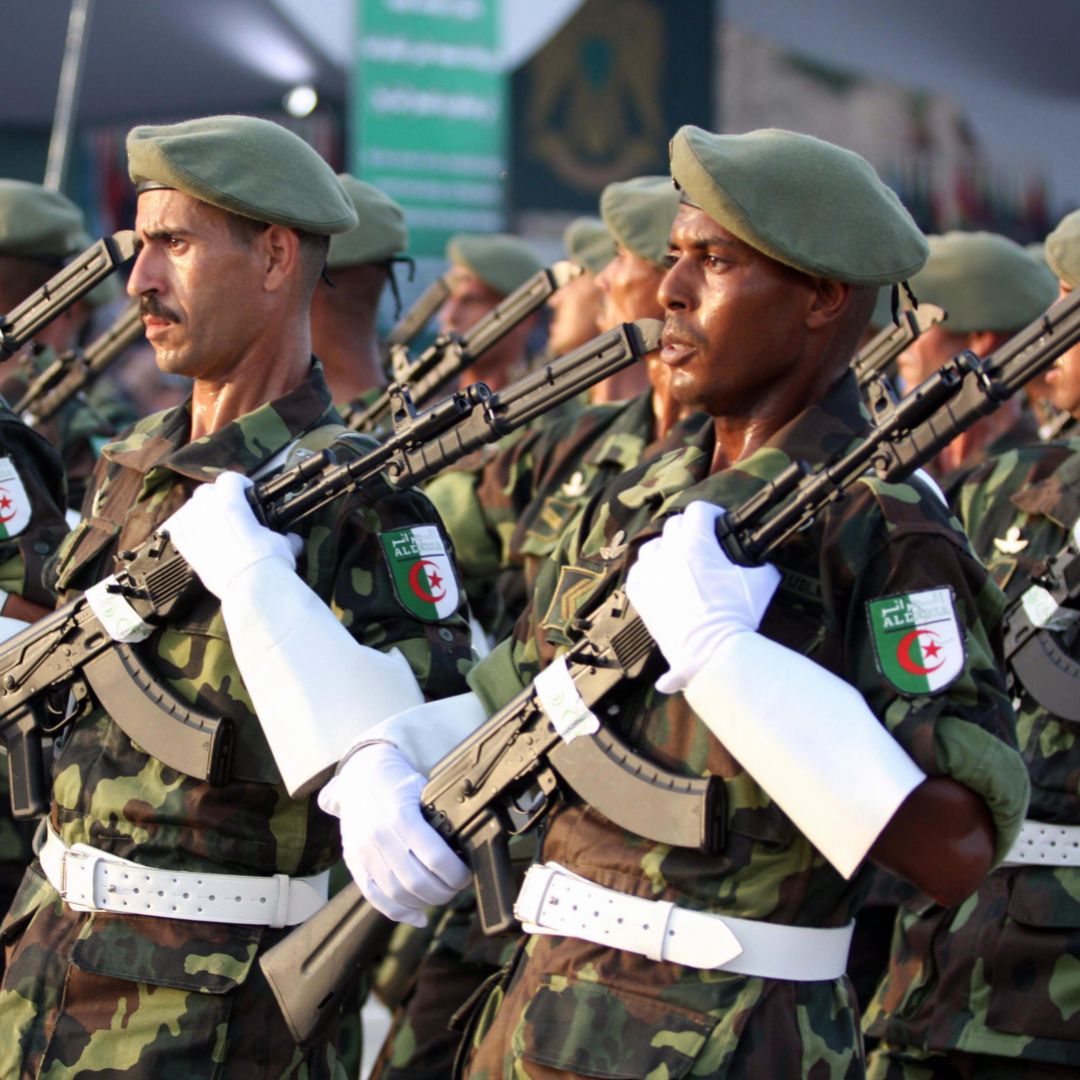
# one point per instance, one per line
(429, 114)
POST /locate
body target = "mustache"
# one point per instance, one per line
(674, 330)
(151, 305)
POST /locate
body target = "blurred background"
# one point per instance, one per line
(513, 114)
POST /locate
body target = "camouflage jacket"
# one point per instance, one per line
(1001, 974)
(506, 509)
(79, 430)
(107, 792)
(605, 1012)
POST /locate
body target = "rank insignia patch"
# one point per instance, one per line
(14, 502)
(917, 640)
(425, 581)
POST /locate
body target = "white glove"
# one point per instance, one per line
(400, 862)
(691, 596)
(219, 536)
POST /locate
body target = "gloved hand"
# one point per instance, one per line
(400, 862)
(691, 595)
(217, 533)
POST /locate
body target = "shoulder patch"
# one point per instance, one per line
(15, 508)
(918, 643)
(423, 574)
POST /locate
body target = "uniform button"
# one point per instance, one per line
(42, 548)
(445, 634)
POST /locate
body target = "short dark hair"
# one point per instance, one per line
(313, 248)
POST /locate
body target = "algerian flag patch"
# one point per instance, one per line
(425, 580)
(917, 640)
(14, 502)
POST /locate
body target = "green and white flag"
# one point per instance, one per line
(14, 502)
(917, 640)
(424, 577)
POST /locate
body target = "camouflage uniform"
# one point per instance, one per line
(570, 1007)
(992, 988)
(24, 551)
(79, 430)
(90, 991)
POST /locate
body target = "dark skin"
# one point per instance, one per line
(753, 343)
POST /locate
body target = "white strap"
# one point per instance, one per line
(1040, 844)
(90, 879)
(553, 900)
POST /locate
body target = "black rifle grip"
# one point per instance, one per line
(26, 771)
(487, 854)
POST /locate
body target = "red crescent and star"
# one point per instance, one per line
(7, 508)
(930, 652)
(433, 580)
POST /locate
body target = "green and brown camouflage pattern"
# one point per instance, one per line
(22, 565)
(572, 1005)
(1000, 975)
(151, 981)
(79, 430)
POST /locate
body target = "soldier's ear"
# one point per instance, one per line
(829, 302)
(279, 252)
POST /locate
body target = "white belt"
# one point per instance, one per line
(1040, 844)
(90, 879)
(555, 901)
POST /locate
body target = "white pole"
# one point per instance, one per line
(67, 94)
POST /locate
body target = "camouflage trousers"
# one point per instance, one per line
(109, 996)
(893, 1063)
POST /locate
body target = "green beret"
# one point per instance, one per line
(640, 213)
(245, 165)
(802, 201)
(381, 233)
(588, 243)
(984, 281)
(502, 261)
(1063, 249)
(36, 222)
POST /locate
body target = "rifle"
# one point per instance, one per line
(450, 354)
(419, 315)
(72, 283)
(75, 369)
(501, 780)
(88, 645)
(874, 359)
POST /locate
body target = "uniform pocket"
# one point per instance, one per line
(1035, 983)
(595, 1030)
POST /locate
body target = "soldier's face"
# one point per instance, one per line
(735, 319)
(200, 288)
(928, 352)
(629, 285)
(575, 312)
(469, 301)
(1063, 378)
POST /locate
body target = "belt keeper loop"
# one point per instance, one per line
(655, 947)
(281, 901)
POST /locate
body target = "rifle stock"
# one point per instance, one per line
(419, 315)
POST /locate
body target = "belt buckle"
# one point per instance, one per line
(78, 874)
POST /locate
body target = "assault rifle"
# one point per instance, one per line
(72, 283)
(873, 360)
(89, 645)
(419, 315)
(501, 780)
(450, 354)
(75, 369)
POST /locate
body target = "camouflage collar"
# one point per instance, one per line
(1057, 497)
(629, 431)
(160, 441)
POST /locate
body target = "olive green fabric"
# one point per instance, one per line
(1063, 249)
(245, 165)
(588, 243)
(381, 233)
(802, 201)
(36, 222)
(640, 213)
(984, 281)
(502, 261)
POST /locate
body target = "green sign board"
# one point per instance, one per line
(429, 115)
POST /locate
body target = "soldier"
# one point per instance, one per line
(575, 308)
(484, 270)
(833, 741)
(990, 989)
(990, 287)
(39, 230)
(233, 219)
(345, 307)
